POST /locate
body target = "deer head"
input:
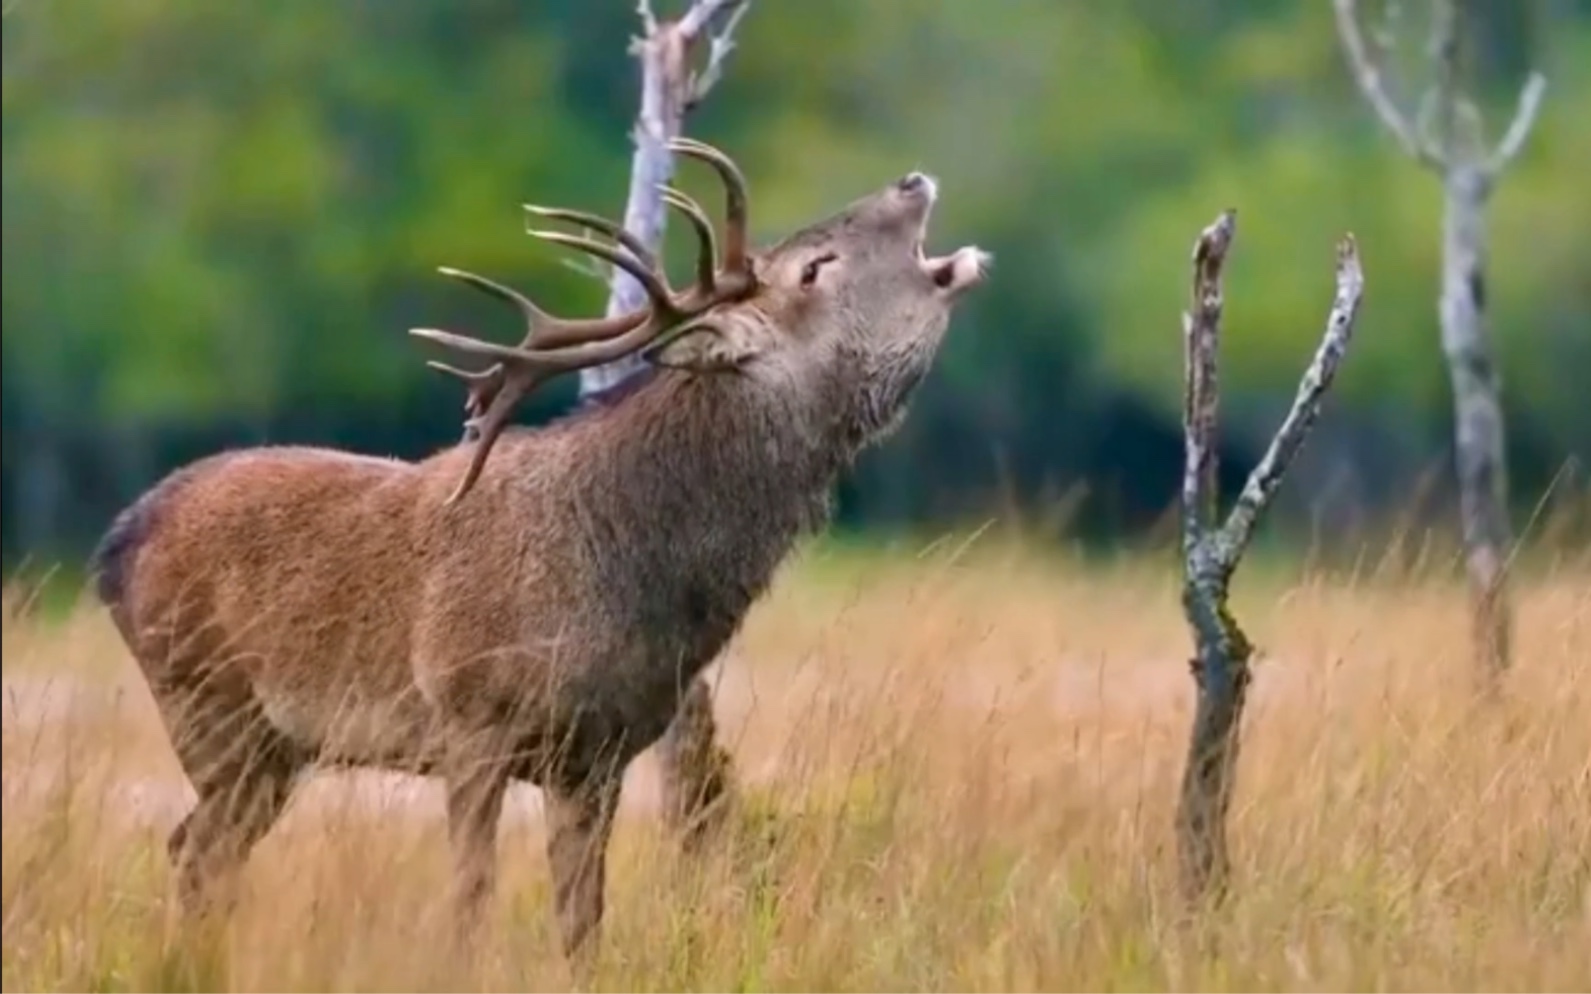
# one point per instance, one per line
(850, 309)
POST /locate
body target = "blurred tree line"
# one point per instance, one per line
(219, 218)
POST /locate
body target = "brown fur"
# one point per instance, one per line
(293, 606)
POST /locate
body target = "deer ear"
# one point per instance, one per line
(708, 345)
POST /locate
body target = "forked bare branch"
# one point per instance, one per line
(1449, 135)
(1371, 77)
(1432, 136)
(643, 10)
(1520, 127)
(701, 17)
(670, 87)
(1211, 555)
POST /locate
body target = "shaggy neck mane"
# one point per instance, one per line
(694, 448)
(727, 472)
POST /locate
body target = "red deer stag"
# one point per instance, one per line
(538, 616)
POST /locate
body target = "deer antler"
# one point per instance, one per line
(554, 345)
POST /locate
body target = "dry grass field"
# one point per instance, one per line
(959, 766)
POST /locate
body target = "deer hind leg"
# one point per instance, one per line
(244, 772)
(579, 825)
(697, 772)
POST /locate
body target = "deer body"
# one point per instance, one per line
(618, 560)
(292, 607)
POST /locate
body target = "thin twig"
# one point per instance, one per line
(1519, 128)
(643, 10)
(720, 44)
(704, 13)
(1371, 79)
(1267, 476)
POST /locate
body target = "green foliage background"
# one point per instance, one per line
(220, 216)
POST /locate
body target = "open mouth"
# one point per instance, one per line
(924, 189)
(920, 243)
(963, 267)
(936, 267)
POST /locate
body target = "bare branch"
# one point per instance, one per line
(1519, 128)
(643, 10)
(720, 44)
(1267, 476)
(1201, 331)
(1450, 136)
(705, 13)
(1220, 663)
(668, 90)
(1369, 75)
(1222, 651)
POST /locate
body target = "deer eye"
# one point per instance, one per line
(809, 272)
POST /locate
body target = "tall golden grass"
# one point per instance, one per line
(959, 771)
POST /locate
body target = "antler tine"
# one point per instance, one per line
(735, 202)
(533, 315)
(706, 243)
(483, 387)
(542, 328)
(470, 346)
(661, 296)
(597, 222)
(489, 424)
(483, 383)
(556, 345)
(466, 375)
(564, 359)
(496, 391)
(488, 404)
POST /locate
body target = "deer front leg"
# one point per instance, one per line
(476, 784)
(579, 823)
(697, 773)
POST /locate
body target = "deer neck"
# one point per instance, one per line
(704, 457)
(694, 490)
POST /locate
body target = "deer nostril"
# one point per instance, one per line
(918, 185)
